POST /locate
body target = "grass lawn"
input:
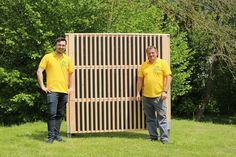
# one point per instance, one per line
(187, 138)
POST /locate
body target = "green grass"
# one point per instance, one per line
(187, 139)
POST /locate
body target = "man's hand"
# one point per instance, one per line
(163, 95)
(70, 90)
(138, 97)
(46, 90)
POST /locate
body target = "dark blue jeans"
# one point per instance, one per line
(56, 103)
(155, 112)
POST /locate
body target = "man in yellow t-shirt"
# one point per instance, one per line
(59, 75)
(154, 78)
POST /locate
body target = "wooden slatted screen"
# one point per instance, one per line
(106, 69)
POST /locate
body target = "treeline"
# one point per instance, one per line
(203, 48)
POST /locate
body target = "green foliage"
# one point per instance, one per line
(184, 108)
(23, 98)
(180, 61)
(210, 31)
(127, 17)
(22, 44)
(202, 47)
(134, 16)
(17, 101)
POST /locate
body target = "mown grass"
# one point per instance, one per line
(188, 138)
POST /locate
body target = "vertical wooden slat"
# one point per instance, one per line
(141, 61)
(71, 103)
(130, 84)
(126, 86)
(109, 84)
(166, 56)
(104, 82)
(96, 82)
(150, 41)
(122, 81)
(142, 49)
(113, 85)
(86, 72)
(68, 124)
(138, 63)
(155, 42)
(146, 43)
(117, 86)
(78, 80)
(83, 85)
(134, 82)
(143, 54)
(91, 82)
(100, 83)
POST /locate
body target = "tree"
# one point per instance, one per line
(126, 16)
(210, 26)
(202, 47)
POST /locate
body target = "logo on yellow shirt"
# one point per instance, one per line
(64, 64)
(156, 69)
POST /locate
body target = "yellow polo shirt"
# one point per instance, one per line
(154, 77)
(57, 70)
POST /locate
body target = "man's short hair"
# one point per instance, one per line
(60, 39)
(151, 47)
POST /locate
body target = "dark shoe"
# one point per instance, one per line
(59, 139)
(153, 139)
(50, 140)
(164, 142)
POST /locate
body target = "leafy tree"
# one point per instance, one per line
(202, 47)
(126, 16)
(211, 30)
(28, 29)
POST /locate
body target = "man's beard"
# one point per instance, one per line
(60, 51)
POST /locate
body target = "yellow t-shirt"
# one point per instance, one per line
(57, 70)
(154, 77)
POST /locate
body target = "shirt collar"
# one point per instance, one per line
(153, 62)
(55, 54)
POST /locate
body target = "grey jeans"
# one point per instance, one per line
(155, 112)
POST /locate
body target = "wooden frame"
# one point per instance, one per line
(106, 67)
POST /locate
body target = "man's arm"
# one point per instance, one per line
(71, 82)
(167, 86)
(40, 80)
(139, 87)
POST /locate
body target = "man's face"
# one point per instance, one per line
(152, 55)
(60, 47)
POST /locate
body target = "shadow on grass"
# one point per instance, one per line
(42, 135)
(216, 119)
(124, 134)
(220, 119)
(39, 135)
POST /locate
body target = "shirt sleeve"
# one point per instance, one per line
(140, 72)
(43, 62)
(70, 66)
(166, 68)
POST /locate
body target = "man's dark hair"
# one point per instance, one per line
(60, 39)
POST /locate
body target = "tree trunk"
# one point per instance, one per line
(206, 97)
(205, 101)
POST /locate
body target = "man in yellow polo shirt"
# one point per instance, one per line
(59, 71)
(154, 78)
